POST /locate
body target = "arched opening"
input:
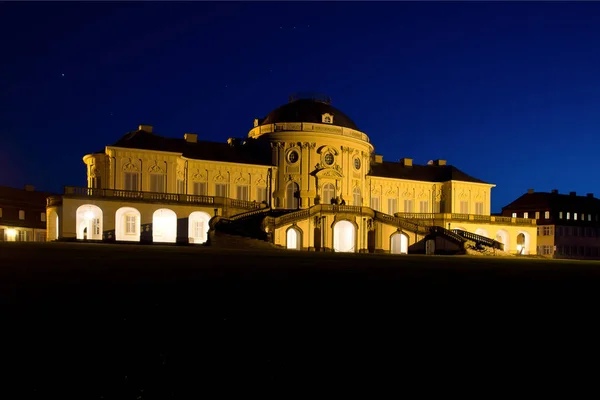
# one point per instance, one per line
(523, 240)
(344, 237)
(198, 227)
(293, 239)
(356, 200)
(399, 243)
(164, 226)
(502, 237)
(292, 196)
(127, 224)
(482, 232)
(52, 226)
(88, 220)
(328, 193)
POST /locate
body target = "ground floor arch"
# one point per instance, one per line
(502, 237)
(164, 226)
(198, 227)
(523, 243)
(52, 226)
(88, 222)
(127, 224)
(344, 237)
(293, 237)
(399, 243)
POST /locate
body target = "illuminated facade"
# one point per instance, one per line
(22, 214)
(568, 225)
(305, 177)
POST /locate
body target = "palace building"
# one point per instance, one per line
(305, 177)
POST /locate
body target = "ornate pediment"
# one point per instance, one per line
(329, 173)
(219, 177)
(156, 169)
(129, 166)
(260, 181)
(198, 176)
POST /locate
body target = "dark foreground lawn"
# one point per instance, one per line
(153, 322)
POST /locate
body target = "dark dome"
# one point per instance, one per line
(308, 110)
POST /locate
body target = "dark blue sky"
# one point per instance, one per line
(507, 92)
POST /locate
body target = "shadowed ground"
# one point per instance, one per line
(120, 321)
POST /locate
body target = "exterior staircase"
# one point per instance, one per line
(479, 240)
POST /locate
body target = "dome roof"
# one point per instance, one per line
(308, 110)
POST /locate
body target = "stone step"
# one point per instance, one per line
(226, 241)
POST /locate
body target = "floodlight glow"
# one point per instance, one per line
(11, 233)
(88, 215)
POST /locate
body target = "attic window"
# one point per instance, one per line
(327, 118)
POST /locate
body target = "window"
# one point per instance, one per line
(242, 192)
(157, 183)
(199, 230)
(261, 194)
(39, 237)
(328, 159)
(589, 217)
(547, 231)
(440, 206)
(21, 214)
(375, 203)
(130, 224)
(200, 188)
(327, 119)
(180, 186)
(292, 194)
(568, 215)
(23, 236)
(43, 217)
(423, 206)
(95, 183)
(328, 193)
(547, 214)
(514, 215)
(392, 206)
(357, 163)
(560, 215)
(575, 216)
(408, 206)
(479, 208)
(293, 156)
(537, 215)
(221, 189)
(131, 181)
(464, 207)
(525, 215)
(356, 199)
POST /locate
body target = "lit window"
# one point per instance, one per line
(130, 224)
(356, 197)
(157, 183)
(514, 215)
(180, 186)
(423, 206)
(408, 206)
(568, 215)
(221, 190)
(21, 214)
(479, 208)
(547, 215)
(327, 120)
(242, 192)
(131, 181)
(43, 217)
(392, 206)
(537, 215)
(560, 215)
(575, 216)
(589, 217)
(375, 203)
(464, 207)
(261, 194)
(200, 188)
(525, 215)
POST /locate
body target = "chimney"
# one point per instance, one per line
(406, 162)
(573, 193)
(554, 191)
(29, 188)
(256, 122)
(439, 162)
(590, 195)
(147, 128)
(378, 159)
(191, 137)
(529, 191)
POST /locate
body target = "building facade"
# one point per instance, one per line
(22, 214)
(305, 175)
(568, 224)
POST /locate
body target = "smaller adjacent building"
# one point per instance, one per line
(22, 214)
(568, 224)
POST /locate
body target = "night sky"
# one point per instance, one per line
(507, 92)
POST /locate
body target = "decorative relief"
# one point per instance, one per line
(180, 174)
(407, 194)
(219, 177)
(390, 191)
(422, 194)
(478, 195)
(156, 168)
(241, 180)
(129, 166)
(317, 222)
(198, 176)
(93, 171)
(463, 195)
(260, 181)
